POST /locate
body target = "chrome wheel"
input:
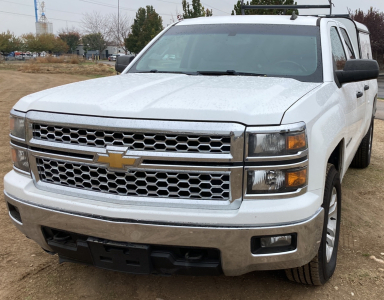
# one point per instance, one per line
(332, 224)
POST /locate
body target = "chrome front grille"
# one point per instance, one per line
(178, 164)
(136, 141)
(141, 183)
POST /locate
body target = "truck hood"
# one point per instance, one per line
(242, 99)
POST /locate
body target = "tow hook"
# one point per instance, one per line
(194, 256)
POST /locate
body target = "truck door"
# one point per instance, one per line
(365, 99)
(351, 95)
(369, 85)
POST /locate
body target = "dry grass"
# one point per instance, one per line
(69, 64)
(67, 59)
(72, 67)
(48, 59)
(31, 68)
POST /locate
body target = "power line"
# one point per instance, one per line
(49, 9)
(114, 6)
(12, 13)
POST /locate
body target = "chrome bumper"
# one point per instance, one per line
(233, 242)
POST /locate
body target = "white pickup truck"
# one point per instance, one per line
(220, 149)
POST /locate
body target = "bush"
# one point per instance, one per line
(74, 60)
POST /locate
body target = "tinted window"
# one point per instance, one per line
(271, 50)
(337, 50)
(347, 40)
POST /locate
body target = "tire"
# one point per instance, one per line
(362, 157)
(321, 268)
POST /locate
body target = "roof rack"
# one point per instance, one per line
(284, 7)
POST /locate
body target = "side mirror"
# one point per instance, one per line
(358, 70)
(122, 62)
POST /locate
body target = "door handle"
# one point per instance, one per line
(359, 94)
(366, 87)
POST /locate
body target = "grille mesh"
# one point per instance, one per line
(135, 182)
(135, 141)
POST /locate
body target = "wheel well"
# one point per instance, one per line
(336, 157)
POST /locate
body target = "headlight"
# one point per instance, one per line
(17, 126)
(276, 141)
(20, 158)
(275, 181)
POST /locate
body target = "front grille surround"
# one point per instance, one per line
(137, 183)
(189, 162)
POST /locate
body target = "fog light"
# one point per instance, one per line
(276, 241)
(274, 244)
(14, 212)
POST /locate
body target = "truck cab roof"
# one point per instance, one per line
(252, 19)
(269, 19)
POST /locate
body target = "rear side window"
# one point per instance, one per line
(338, 52)
(365, 44)
(347, 40)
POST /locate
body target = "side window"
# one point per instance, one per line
(365, 44)
(347, 40)
(338, 52)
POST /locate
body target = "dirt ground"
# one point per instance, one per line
(26, 272)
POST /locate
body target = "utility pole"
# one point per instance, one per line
(118, 24)
(37, 19)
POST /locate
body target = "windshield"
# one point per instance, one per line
(291, 51)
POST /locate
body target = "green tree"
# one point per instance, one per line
(95, 42)
(9, 42)
(71, 38)
(374, 20)
(43, 42)
(195, 10)
(237, 7)
(145, 27)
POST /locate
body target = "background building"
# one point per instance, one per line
(43, 26)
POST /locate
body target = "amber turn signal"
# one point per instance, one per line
(14, 155)
(297, 141)
(296, 179)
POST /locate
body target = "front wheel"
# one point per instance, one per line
(322, 267)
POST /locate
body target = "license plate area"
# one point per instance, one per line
(124, 257)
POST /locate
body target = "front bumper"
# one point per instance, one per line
(234, 243)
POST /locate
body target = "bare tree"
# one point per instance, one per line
(119, 35)
(95, 22)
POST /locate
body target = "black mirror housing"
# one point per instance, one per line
(122, 62)
(356, 70)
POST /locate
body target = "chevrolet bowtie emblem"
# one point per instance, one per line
(116, 158)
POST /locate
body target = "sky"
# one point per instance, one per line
(18, 16)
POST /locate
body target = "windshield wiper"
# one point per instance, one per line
(228, 73)
(165, 72)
